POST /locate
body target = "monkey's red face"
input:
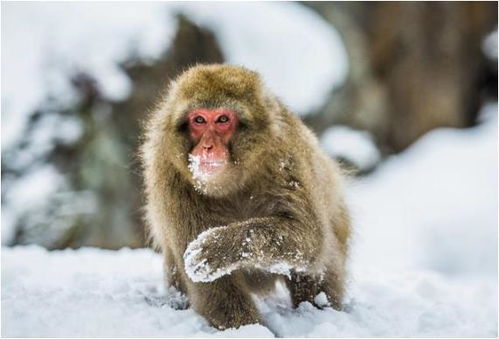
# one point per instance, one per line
(211, 131)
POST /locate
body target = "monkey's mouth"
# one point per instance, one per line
(202, 167)
(211, 166)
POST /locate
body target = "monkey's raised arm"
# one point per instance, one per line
(274, 244)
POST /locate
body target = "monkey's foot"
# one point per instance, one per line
(205, 259)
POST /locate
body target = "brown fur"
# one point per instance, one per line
(278, 202)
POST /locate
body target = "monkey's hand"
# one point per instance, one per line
(272, 244)
(212, 255)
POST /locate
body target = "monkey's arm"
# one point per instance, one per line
(275, 244)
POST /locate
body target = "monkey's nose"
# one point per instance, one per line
(207, 147)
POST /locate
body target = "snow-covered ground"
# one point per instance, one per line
(91, 292)
(424, 262)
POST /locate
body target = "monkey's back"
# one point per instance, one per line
(325, 181)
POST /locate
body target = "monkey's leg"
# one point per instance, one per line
(333, 284)
(303, 287)
(259, 282)
(173, 276)
(224, 303)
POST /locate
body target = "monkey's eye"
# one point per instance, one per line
(223, 119)
(199, 120)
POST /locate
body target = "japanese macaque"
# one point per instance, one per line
(239, 194)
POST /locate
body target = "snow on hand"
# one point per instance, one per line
(198, 269)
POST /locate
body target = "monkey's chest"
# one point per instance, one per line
(241, 208)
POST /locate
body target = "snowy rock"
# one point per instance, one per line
(489, 45)
(355, 147)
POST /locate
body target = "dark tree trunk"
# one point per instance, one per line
(415, 66)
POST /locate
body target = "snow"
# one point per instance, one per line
(435, 205)
(198, 269)
(356, 146)
(194, 168)
(398, 304)
(34, 189)
(321, 299)
(489, 45)
(91, 292)
(30, 193)
(43, 44)
(203, 169)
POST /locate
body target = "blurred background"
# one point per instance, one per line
(370, 78)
